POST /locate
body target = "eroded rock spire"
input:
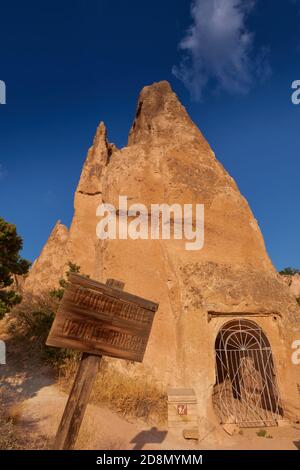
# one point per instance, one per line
(97, 158)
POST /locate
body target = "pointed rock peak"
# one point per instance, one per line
(59, 229)
(50, 266)
(159, 114)
(97, 158)
(162, 88)
(156, 95)
(101, 134)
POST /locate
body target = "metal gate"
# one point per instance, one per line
(246, 391)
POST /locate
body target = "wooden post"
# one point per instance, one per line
(79, 396)
(78, 399)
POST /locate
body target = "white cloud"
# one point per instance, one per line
(218, 48)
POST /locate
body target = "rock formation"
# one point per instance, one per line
(167, 160)
(52, 262)
(294, 284)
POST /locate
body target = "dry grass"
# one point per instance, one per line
(135, 396)
(12, 436)
(8, 437)
(15, 413)
(130, 396)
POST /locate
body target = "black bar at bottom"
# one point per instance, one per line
(127, 459)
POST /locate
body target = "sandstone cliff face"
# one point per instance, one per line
(294, 284)
(167, 160)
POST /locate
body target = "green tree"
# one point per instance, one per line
(11, 263)
(289, 272)
(59, 292)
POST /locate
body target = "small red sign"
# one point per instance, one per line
(182, 410)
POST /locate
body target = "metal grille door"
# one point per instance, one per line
(246, 391)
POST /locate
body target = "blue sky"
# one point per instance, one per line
(68, 65)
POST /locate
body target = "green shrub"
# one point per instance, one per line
(63, 283)
(31, 322)
(32, 319)
(289, 272)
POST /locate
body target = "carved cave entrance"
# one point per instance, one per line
(246, 391)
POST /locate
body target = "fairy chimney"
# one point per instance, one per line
(168, 161)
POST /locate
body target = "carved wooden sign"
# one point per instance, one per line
(102, 320)
(98, 319)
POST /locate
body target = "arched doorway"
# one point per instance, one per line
(246, 391)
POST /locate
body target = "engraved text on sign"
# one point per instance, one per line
(100, 320)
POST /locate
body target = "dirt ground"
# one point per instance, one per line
(37, 405)
(103, 429)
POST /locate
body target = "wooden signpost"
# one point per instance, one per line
(97, 319)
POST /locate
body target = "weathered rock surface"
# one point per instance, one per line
(167, 160)
(51, 265)
(294, 284)
(84, 247)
